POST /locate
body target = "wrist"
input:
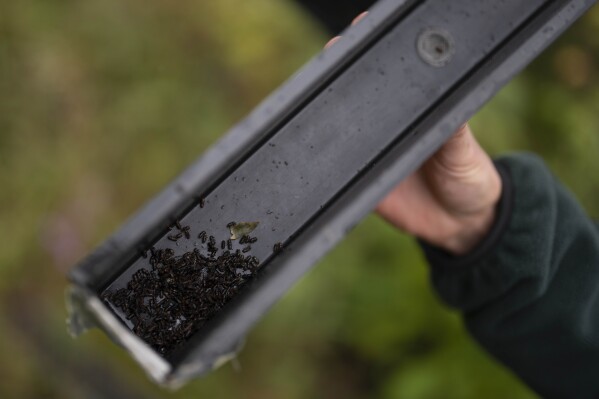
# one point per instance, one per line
(469, 231)
(468, 228)
(440, 256)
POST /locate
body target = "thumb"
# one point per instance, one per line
(460, 156)
(462, 175)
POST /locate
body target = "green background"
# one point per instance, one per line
(102, 102)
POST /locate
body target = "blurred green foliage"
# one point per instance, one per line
(103, 102)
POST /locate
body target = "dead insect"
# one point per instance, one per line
(167, 253)
(278, 247)
(223, 244)
(252, 240)
(229, 244)
(177, 224)
(202, 236)
(202, 202)
(246, 249)
(242, 229)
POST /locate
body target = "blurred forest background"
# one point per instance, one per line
(102, 102)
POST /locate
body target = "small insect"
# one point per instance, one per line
(252, 240)
(278, 247)
(174, 237)
(223, 244)
(202, 236)
(177, 224)
(243, 239)
(246, 249)
(231, 224)
(202, 202)
(229, 244)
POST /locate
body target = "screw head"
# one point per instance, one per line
(436, 47)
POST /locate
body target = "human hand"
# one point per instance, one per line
(450, 201)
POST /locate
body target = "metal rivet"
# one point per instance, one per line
(436, 47)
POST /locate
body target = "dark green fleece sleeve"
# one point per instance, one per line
(530, 292)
